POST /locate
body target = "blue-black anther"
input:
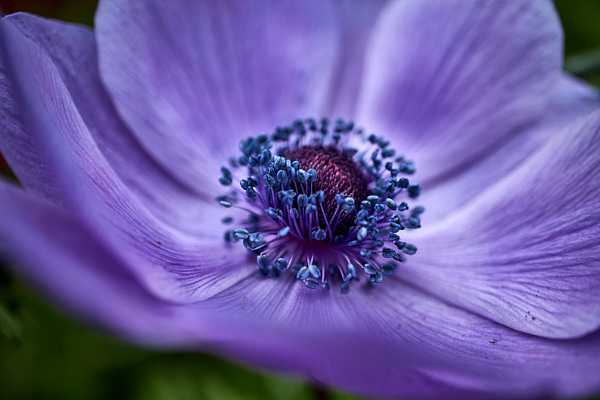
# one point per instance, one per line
(403, 206)
(414, 222)
(390, 203)
(281, 176)
(379, 208)
(376, 278)
(345, 287)
(370, 269)
(269, 180)
(311, 283)
(395, 227)
(388, 268)
(283, 232)
(255, 238)
(314, 271)
(302, 176)
(320, 196)
(281, 264)
(311, 209)
(418, 210)
(361, 234)
(303, 273)
(263, 261)
(410, 249)
(414, 190)
(352, 271)
(241, 233)
(251, 193)
(402, 183)
(387, 252)
(274, 213)
(319, 234)
(388, 153)
(225, 180)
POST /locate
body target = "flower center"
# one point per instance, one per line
(320, 207)
(338, 173)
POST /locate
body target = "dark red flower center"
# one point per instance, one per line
(338, 173)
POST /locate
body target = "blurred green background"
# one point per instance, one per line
(44, 355)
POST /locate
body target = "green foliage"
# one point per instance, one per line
(582, 37)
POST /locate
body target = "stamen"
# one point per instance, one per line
(311, 196)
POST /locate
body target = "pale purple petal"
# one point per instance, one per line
(526, 253)
(384, 330)
(452, 79)
(192, 78)
(70, 266)
(175, 264)
(356, 19)
(570, 100)
(71, 49)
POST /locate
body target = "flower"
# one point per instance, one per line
(118, 136)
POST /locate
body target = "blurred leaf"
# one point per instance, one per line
(585, 65)
(9, 326)
(194, 376)
(580, 21)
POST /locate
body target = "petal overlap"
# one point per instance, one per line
(455, 79)
(526, 253)
(193, 78)
(164, 257)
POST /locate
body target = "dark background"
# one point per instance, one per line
(44, 355)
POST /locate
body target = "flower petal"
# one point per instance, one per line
(356, 20)
(72, 268)
(526, 252)
(192, 78)
(570, 100)
(396, 341)
(71, 49)
(173, 263)
(454, 79)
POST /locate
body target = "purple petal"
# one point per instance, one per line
(192, 78)
(173, 263)
(71, 267)
(71, 49)
(455, 79)
(356, 20)
(526, 252)
(395, 341)
(570, 100)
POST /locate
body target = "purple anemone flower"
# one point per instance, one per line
(240, 177)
